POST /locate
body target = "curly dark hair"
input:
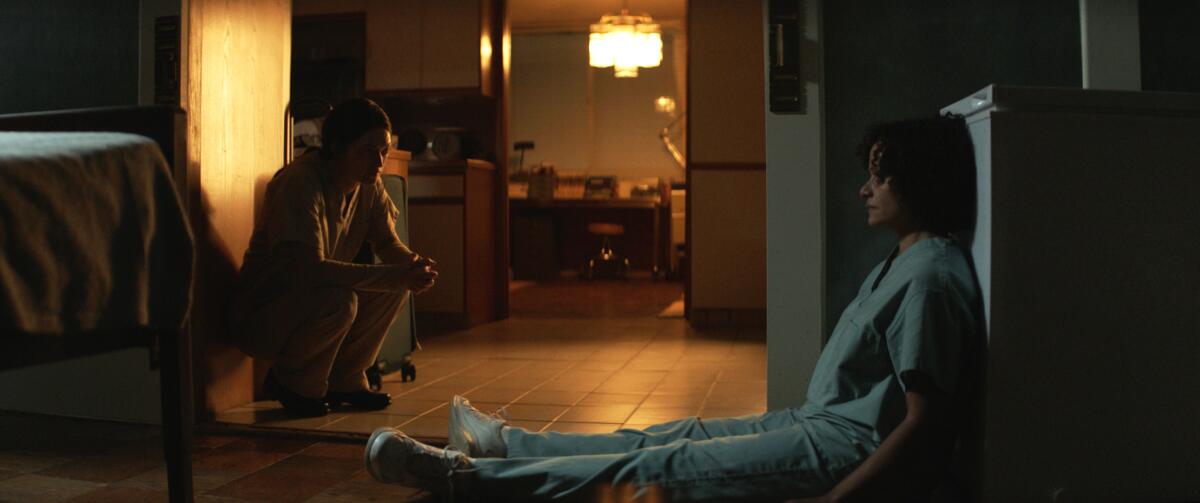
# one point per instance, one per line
(348, 122)
(931, 163)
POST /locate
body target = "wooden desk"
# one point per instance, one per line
(549, 236)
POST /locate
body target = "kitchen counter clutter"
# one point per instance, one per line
(453, 219)
(568, 185)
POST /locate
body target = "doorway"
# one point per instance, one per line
(577, 354)
(591, 170)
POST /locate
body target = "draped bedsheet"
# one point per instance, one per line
(93, 236)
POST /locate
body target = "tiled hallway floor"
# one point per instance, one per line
(53, 459)
(557, 365)
(580, 375)
(585, 375)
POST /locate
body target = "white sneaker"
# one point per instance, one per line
(474, 433)
(393, 457)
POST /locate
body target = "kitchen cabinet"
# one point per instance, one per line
(452, 219)
(393, 44)
(429, 45)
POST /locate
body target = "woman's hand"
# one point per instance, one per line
(420, 275)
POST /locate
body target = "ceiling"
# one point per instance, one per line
(572, 15)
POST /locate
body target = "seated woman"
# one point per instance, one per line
(883, 404)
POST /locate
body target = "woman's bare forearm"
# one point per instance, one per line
(310, 268)
(882, 475)
(908, 462)
(395, 253)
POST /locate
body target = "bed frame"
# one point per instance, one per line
(170, 349)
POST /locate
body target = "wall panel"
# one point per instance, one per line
(237, 90)
(726, 154)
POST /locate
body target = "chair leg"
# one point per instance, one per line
(176, 380)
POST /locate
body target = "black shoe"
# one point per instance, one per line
(362, 399)
(294, 403)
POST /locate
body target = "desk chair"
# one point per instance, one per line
(606, 261)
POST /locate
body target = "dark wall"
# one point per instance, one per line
(1170, 45)
(58, 54)
(891, 59)
(329, 54)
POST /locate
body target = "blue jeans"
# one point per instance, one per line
(770, 456)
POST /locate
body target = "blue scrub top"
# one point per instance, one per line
(916, 313)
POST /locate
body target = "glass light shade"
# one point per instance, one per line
(599, 51)
(625, 43)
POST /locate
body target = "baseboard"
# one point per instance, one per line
(711, 317)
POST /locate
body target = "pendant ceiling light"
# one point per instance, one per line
(625, 43)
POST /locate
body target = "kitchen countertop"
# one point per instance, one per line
(588, 203)
(416, 167)
(397, 162)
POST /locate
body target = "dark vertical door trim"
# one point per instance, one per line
(687, 178)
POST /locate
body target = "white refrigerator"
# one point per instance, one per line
(1087, 248)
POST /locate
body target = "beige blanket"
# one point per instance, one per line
(92, 235)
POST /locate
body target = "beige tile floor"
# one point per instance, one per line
(578, 375)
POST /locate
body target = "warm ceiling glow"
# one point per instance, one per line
(625, 43)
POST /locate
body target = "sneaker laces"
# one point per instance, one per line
(432, 463)
(437, 472)
(501, 415)
(475, 432)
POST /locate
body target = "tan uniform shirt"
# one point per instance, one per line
(302, 209)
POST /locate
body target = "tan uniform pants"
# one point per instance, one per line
(320, 339)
